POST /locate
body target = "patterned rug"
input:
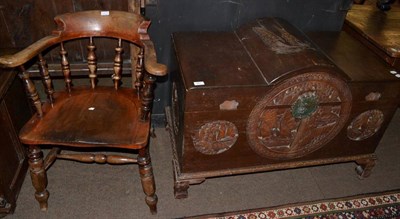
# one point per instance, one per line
(378, 205)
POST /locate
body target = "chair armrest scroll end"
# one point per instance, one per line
(150, 60)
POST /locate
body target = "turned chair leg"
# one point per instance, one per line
(38, 175)
(147, 179)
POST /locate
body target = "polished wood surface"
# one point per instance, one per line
(365, 65)
(377, 29)
(103, 114)
(377, 26)
(237, 105)
(90, 116)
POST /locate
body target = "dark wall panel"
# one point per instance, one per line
(225, 15)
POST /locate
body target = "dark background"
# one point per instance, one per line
(23, 22)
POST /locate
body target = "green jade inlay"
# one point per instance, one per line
(305, 105)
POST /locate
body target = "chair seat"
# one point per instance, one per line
(100, 117)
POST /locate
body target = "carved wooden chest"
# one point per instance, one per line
(265, 97)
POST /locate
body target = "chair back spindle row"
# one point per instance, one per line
(92, 66)
(131, 28)
(143, 84)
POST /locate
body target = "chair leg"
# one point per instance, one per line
(38, 175)
(147, 179)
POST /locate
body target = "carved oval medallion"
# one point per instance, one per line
(365, 125)
(215, 137)
(299, 116)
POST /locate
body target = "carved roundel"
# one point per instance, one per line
(299, 116)
(215, 137)
(365, 125)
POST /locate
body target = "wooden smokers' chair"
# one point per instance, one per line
(91, 116)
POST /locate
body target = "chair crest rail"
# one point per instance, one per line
(116, 24)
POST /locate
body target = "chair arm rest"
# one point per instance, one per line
(10, 61)
(150, 60)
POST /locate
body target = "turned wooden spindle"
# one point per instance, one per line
(92, 63)
(47, 83)
(118, 64)
(98, 158)
(51, 157)
(139, 70)
(65, 68)
(147, 96)
(31, 91)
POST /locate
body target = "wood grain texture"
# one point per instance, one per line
(365, 64)
(377, 30)
(380, 28)
(97, 109)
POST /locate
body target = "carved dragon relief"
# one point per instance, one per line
(299, 116)
(281, 42)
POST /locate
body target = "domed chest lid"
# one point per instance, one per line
(279, 49)
(258, 53)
